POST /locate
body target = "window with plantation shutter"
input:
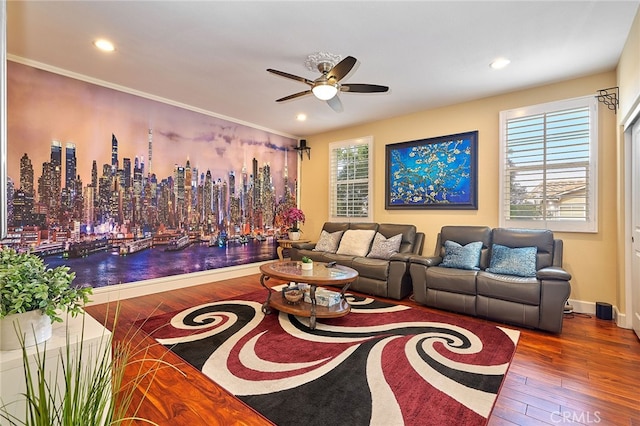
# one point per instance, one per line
(548, 162)
(350, 186)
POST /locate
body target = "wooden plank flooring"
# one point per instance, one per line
(589, 374)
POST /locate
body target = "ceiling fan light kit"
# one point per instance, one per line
(324, 90)
(327, 86)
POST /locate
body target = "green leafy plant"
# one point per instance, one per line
(306, 259)
(27, 284)
(87, 384)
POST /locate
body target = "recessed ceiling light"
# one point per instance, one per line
(499, 63)
(104, 45)
(301, 117)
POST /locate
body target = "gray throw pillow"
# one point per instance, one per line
(462, 257)
(520, 261)
(384, 248)
(328, 242)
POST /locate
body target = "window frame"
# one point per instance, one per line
(333, 146)
(590, 224)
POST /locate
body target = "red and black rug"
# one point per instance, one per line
(382, 364)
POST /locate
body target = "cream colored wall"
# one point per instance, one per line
(590, 258)
(629, 72)
(628, 76)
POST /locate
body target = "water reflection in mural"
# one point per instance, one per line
(108, 267)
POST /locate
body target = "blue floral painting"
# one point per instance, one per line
(433, 173)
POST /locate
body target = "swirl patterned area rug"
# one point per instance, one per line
(382, 364)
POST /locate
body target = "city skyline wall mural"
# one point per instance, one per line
(121, 188)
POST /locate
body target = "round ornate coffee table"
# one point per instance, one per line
(291, 271)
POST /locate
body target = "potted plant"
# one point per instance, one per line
(32, 297)
(306, 263)
(93, 382)
(292, 217)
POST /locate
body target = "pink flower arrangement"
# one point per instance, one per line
(292, 217)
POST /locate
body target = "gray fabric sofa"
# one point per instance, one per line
(535, 301)
(380, 277)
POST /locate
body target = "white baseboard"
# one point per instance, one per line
(117, 292)
(590, 309)
(583, 307)
(621, 319)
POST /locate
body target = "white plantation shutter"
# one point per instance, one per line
(350, 186)
(549, 155)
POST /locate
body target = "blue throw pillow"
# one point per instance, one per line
(519, 261)
(462, 257)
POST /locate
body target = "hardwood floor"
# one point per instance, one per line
(589, 374)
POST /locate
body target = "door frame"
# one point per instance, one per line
(633, 118)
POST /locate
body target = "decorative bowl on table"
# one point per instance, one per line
(293, 296)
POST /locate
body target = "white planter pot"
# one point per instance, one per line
(294, 236)
(34, 326)
(306, 266)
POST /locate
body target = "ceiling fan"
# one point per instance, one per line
(327, 86)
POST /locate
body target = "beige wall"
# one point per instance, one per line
(629, 72)
(590, 258)
(628, 76)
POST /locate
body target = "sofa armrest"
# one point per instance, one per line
(426, 260)
(298, 250)
(401, 257)
(303, 246)
(399, 280)
(418, 243)
(553, 273)
(418, 266)
(553, 297)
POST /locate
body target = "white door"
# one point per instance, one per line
(635, 223)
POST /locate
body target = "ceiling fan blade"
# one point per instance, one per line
(291, 76)
(295, 95)
(336, 104)
(342, 68)
(363, 88)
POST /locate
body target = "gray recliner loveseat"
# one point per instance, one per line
(379, 274)
(535, 300)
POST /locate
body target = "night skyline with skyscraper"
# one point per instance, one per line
(141, 204)
(104, 185)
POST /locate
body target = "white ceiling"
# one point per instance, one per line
(213, 55)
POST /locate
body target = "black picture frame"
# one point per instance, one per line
(433, 173)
